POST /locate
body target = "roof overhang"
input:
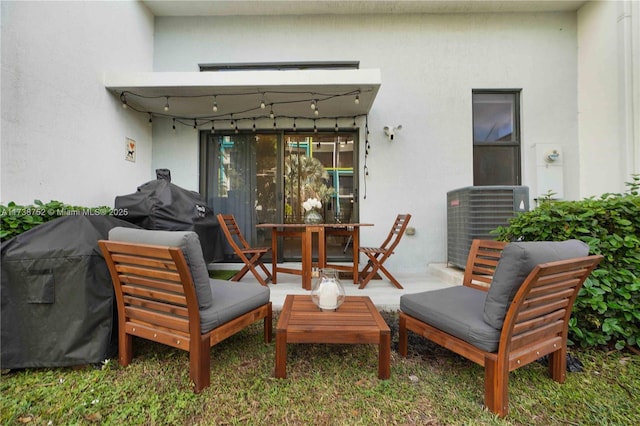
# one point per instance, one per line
(238, 94)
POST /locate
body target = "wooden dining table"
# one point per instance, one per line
(305, 232)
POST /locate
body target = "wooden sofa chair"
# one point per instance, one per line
(522, 316)
(250, 256)
(378, 255)
(164, 294)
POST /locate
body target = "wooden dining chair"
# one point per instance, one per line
(251, 256)
(378, 255)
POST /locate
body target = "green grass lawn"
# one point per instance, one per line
(325, 385)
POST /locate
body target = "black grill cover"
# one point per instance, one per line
(58, 305)
(162, 205)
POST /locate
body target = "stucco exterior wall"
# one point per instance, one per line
(608, 95)
(63, 133)
(429, 65)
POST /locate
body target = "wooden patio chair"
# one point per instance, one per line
(522, 316)
(164, 294)
(250, 256)
(378, 255)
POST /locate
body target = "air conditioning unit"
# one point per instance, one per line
(473, 212)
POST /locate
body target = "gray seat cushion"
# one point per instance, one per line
(455, 310)
(517, 261)
(230, 300)
(188, 241)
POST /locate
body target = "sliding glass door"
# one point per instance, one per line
(265, 178)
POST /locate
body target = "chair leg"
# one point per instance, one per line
(365, 276)
(402, 336)
(200, 363)
(558, 365)
(391, 277)
(268, 325)
(125, 347)
(496, 387)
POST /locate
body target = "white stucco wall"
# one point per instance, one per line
(63, 133)
(429, 65)
(608, 95)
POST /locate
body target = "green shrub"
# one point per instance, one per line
(18, 219)
(607, 310)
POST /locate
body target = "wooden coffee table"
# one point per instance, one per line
(356, 321)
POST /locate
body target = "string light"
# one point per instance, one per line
(314, 104)
(357, 99)
(213, 127)
(125, 99)
(263, 105)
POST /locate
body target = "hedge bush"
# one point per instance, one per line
(607, 310)
(17, 219)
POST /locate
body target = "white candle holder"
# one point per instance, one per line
(327, 292)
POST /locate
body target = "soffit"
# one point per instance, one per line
(353, 7)
(289, 93)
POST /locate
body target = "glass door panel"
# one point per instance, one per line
(240, 179)
(320, 166)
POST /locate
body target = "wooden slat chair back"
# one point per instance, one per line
(156, 300)
(378, 255)
(483, 259)
(536, 324)
(250, 256)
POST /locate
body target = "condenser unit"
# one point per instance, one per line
(473, 212)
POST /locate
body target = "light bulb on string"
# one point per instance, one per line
(215, 104)
(150, 120)
(254, 125)
(166, 105)
(357, 100)
(275, 125)
(315, 129)
(236, 129)
(294, 124)
(123, 99)
(231, 123)
(317, 111)
(195, 124)
(337, 129)
(174, 125)
(263, 105)
(271, 114)
(313, 104)
(355, 125)
(213, 127)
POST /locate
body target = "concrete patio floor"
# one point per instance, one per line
(383, 294)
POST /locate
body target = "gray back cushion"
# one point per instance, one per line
(188, 241)
(516, 262)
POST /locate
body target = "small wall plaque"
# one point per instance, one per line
(130, 150)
